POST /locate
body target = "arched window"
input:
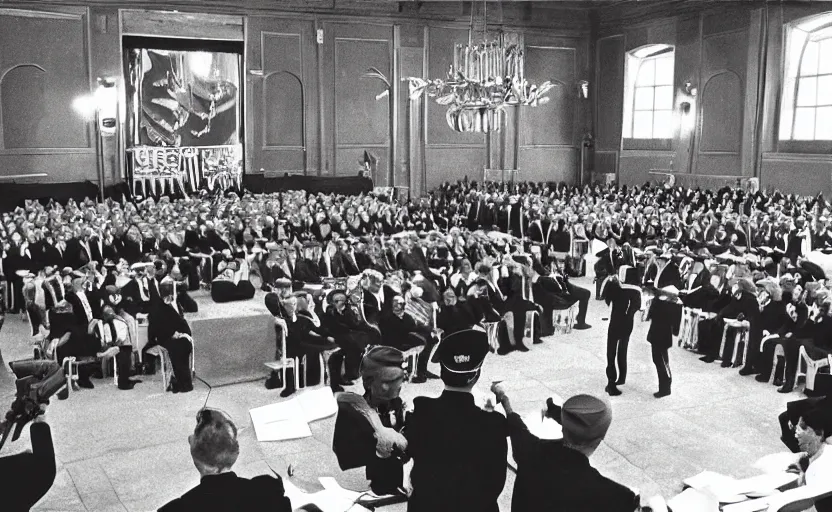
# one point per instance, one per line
(648, 105)
(806, 112)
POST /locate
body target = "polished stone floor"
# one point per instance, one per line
(127, 450)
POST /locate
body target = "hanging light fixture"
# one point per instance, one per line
(483, 80)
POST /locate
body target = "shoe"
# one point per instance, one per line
(86, 384)
(786, 388)
(725, 364)
(420, 379)
(124, 386)
(347, 382)
(662, 393)
(503, 351)
(432, 375)
(707, 359)
(612, 390)
(287, 392)
(747, 370)
(778, 381)
(522, 348)
(336, 388)
(538, 341)
(620, 382)
(274, 381)
(582, 326)
(762, 378)
(63, 394)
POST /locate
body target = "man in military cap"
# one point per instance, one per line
(458, 450)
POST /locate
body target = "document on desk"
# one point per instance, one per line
(280, 422)
(290, 419)
(691, 500)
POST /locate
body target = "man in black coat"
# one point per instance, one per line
(625, 299)
(554, 474)
(665, 314)
(27, 477)
(214, 449)
(459, 450)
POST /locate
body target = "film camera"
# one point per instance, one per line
(37, 381)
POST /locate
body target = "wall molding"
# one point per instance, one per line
(795, 157)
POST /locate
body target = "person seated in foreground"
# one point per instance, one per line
(351, 333)
(214, 450)
(814, 465)
(303, 338)
(556, 474)
(368, 428)
(168, 328)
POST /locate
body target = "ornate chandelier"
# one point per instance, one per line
(483, 80)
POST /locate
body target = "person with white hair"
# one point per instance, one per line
(214, 449)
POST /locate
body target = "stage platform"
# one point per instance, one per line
(232, 340)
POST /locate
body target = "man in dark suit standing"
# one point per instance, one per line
(459, 450)
(214, 449)
(555, 474)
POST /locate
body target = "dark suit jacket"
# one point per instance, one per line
(30, 475)
(229, 492)
(459, 455)
(554, 478)
(75, 255)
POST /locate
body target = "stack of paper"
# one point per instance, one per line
(691, 500)
(328, 500)
(290, 419)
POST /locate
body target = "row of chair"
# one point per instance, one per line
(807, 368)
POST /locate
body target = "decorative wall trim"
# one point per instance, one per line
(795, 157)
(641, 153)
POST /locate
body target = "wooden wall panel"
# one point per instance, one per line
(722, 102)
(635, 166)
(552, 124)
(282, 103)
(798, 174)
(609, 93)
(44, 67)
(441, 43)
(359, 121)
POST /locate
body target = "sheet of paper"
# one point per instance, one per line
(691, 500)
(280, 422)
(776, 462)
(317, 404)
(326, 500)
(747, 506)
(543, 428)
(765, 482)
(708, 479)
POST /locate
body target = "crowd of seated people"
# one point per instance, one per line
(514, 247)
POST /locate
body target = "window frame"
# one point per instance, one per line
(655, 52)
(792, 71)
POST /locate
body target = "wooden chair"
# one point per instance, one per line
(164, 359)
(411, 355)
(808, 368)
(741, 329)
(285, 363)
(492, 330)
(529, 332)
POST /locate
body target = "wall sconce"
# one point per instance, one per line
(583, 89)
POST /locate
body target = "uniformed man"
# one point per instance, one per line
(459, 450)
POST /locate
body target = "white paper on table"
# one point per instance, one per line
(708, 479)
(280, 422)
(326, 500)
(776, 462)
(691, 500)
(748, 506)
(765, 483)
(317, 404)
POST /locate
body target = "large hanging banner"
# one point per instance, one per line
(185, 120)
